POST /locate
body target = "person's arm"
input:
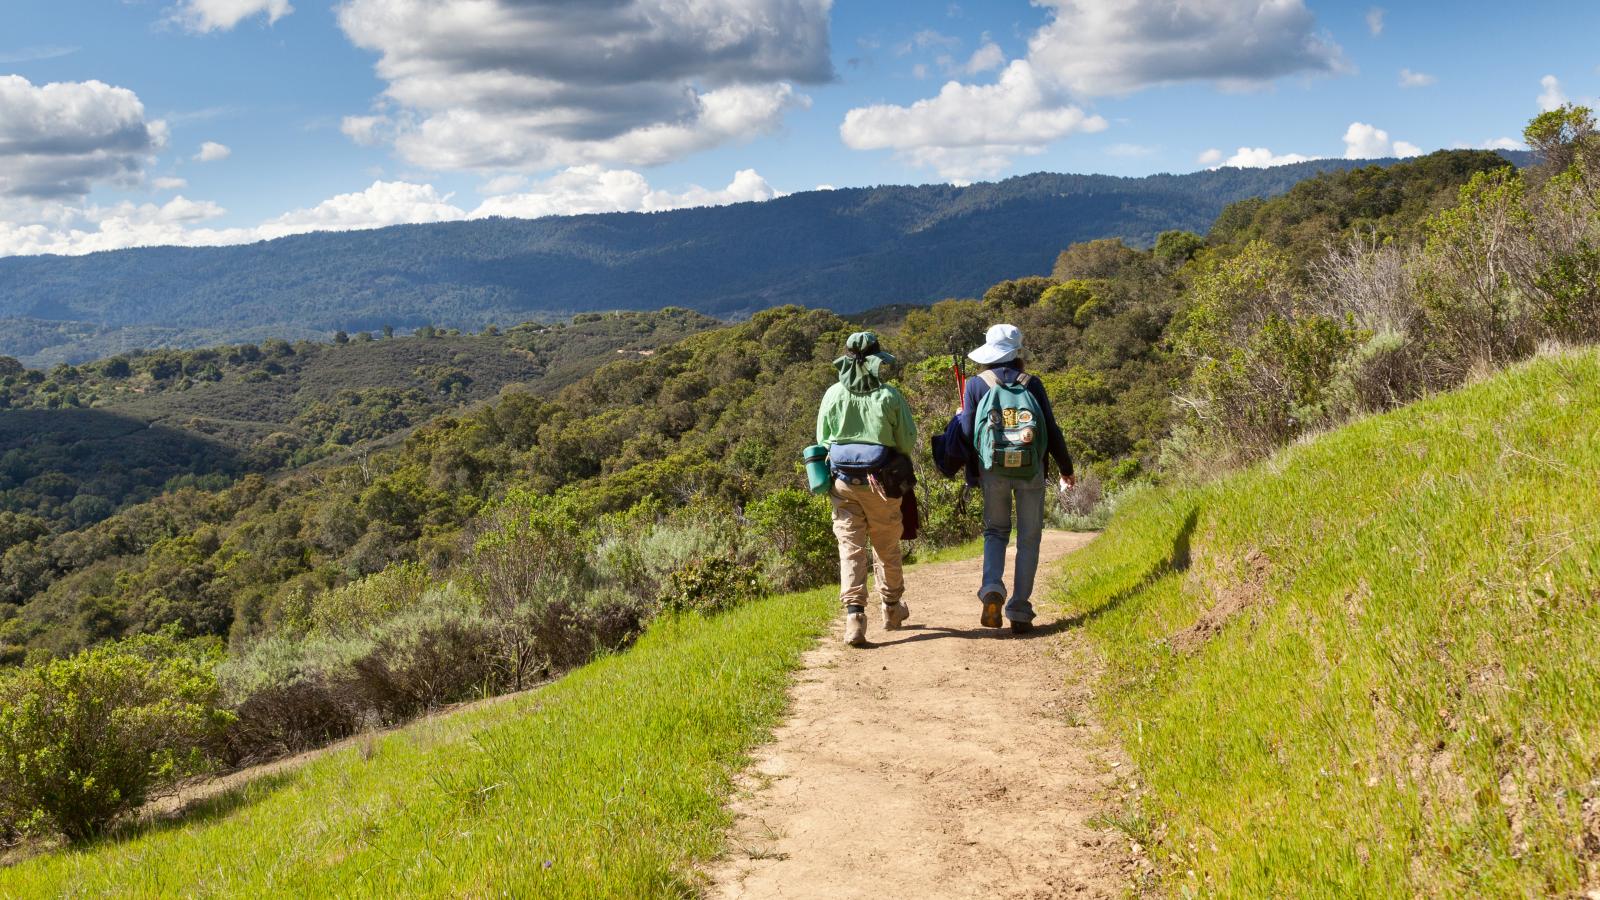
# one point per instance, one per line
(827, 427)
(905, 427)
(1058, 443)
(969, 405)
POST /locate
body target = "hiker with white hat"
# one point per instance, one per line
(1006, 416)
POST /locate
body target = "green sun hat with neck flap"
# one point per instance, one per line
(864, 365)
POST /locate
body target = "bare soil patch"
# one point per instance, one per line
(946, 760)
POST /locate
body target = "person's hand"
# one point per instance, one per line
(1067, 483)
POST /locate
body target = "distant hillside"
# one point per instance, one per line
(79, 442)
(844, 249)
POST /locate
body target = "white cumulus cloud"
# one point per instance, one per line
(211, 151)
(34, 227)
(1363, 141)
(592, 189)
(1410, 79)
(60, 139)
(1261, 158)
(76, 230)
(506, 84)
(1099, 47)
(1552, 97)
(987, 57)
(970, 131)
(1367, 141)
(169, 183)
(468, 138)
(364, 130)
(222, 15)
(1375, 21)
(1091, 48)
(382, 204)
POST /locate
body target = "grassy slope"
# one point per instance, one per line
(1408, 701)
(606, 783)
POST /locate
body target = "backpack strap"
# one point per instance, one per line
(993, 380)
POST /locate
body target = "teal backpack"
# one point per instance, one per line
(1008, 428)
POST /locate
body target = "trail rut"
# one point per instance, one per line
(946, 760)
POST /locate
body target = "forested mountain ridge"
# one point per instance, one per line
(846, 250)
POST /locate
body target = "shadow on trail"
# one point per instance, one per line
(936, 632)
(1176, 561)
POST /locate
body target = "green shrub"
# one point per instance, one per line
(797, 536)
(87, 738)
(435, 654)
(1263, 360)
(288, 695)
(373, 598)
(711, 585)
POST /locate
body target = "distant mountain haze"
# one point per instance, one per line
(848, 250)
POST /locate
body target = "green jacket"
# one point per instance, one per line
(881, 416)
(861, 408)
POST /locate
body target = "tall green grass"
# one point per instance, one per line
(1405, 699)
(608, 783)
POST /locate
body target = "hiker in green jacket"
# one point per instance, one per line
(868, 428)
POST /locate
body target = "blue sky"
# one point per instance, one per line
(370, 112)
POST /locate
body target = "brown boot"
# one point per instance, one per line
(894, 615)
(992, 602)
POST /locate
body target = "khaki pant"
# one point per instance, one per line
(862, 518)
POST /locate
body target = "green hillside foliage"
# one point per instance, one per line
(845, 249)
(1411, 297)
(1388, 201)
(608, 783)
(80, 442)
(1365, 667)
(703, 418)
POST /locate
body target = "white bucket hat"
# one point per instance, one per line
(1002, 343)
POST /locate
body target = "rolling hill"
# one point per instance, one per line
(1365, 666)
(847, 250)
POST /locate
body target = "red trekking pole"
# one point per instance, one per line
(961, 382)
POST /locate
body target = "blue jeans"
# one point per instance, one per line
(998, 494)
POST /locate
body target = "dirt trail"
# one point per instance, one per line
(947, 760)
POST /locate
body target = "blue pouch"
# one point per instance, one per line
(857, 461)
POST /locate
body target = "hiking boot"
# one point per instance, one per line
(895, 614)
(855, 626)
(992, 602)
(1018, 627)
